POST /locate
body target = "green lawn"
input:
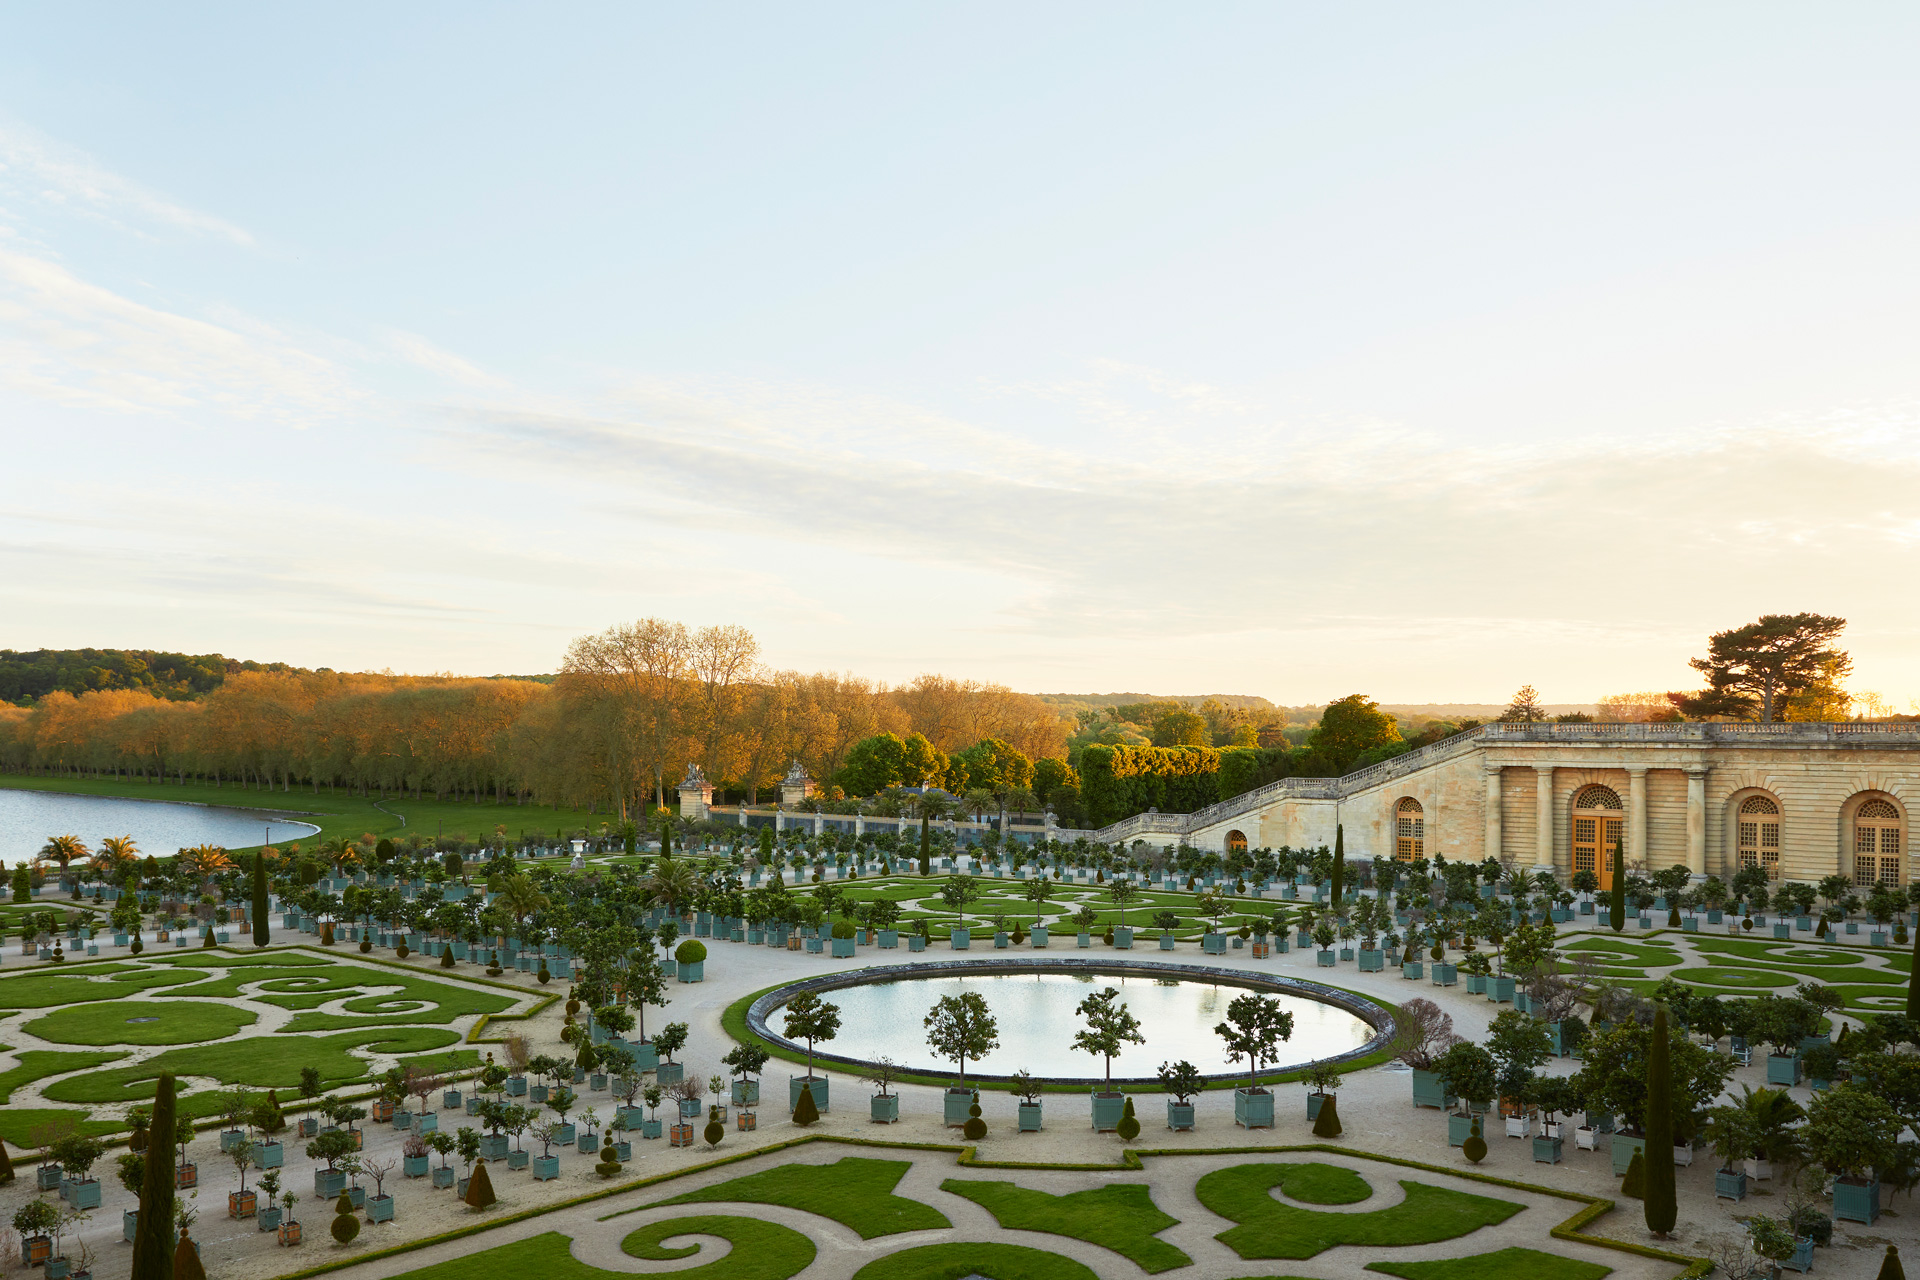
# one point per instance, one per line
(186, 1022)
(38, 1064)
(1504, 1264)
(1121, 1217)
(1803, 955)
(955, 1261)
(261, 1062)
(444, 1002)
(1269, 1229)
(1620, 951)
(855, 1192)
(18, 1123)
(761, 1250)
(42, 989)
(1738, 979)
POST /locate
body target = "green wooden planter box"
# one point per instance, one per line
(1413, 969)
(1107, 1110)
(1459, 1128)
(1179, 1114)
(1856, 1202)
(1428, 1091)
(1029, 1119)
(1253, 1110)
(1445, 975)
(818, 1085)
(884, 1108)
(1547, 1150)
(1622, 1148)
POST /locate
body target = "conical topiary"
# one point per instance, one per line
(1327, 1123)
(6, 1165)
(975, 1128)
(345, 1225)
(1129, 1126)
(479, 1187)
(446, 956)
(1635, 1183)
(807, 1111)
(1673, 918)
(186, 1260)
(1475, 1147)
(1890, 1268)
(207, 941)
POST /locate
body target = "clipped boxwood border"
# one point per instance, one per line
(733, 1020)
(1131, 1160)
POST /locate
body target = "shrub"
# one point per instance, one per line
(479, 1186)
(975, 1128)
(345, 1225)
(842, 929)
(1635, 1183)
(715, 1130)
(807, 1111)
(1327, 1123)
(1129, 1126)
(1474, 1148)
(693, 951)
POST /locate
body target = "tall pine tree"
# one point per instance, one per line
(262, 934)
(153, 1242)
(1660, 1205)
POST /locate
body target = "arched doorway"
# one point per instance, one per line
(1878, 842)
(1409, 830)
(1760, 834)
(1236, 842)
(1599, 828)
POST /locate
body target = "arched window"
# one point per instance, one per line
(1760, 834)
(1877, 842)
(1409, 831)
(1598, 829)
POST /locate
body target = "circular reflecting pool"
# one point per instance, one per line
(1037, 1022)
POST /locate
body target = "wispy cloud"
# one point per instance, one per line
(418, 351)
(65, 339)
(37, 169)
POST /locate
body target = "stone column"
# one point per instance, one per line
(1543, 817)
(1637, 814)
(1697, 819)
(1493, 777)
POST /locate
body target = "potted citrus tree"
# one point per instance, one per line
(1255, 1027)
(1110, 1027)
(1027, 1089)
(1180, 1081)
(960, 1028)
(884, 1106)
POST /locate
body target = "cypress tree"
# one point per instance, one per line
(666, 839)
(1339, 862)
(262, 934)
(1327, 1123)
(1890, 1268)
(1661, 1207)
(153, 1235)
(1913, 980)
(1617, 898)
(926, 852)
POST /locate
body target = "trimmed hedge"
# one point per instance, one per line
(1117, 782)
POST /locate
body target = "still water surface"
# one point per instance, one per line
(1037, 1022)
(27, 818)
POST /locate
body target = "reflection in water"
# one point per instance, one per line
(1035, 1012)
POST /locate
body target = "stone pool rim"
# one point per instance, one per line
(1375, 1015)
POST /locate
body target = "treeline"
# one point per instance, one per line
(626, 715)
(26, 675)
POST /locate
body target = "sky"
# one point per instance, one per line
(1282, 349)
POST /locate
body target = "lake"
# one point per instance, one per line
(160, 828)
